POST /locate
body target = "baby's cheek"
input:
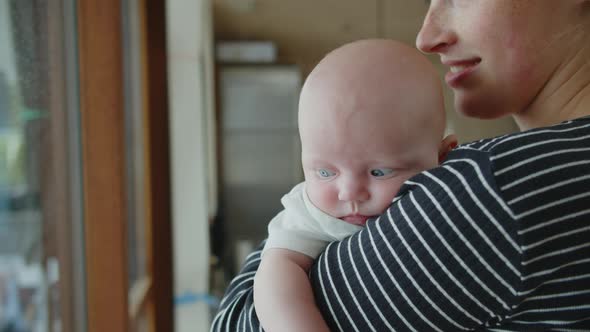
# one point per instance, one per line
(322, 196)
(385, 202)
(388, 192)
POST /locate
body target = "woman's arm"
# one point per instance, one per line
(444, 257)
(236, 310)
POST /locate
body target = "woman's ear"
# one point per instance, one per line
(447, 144)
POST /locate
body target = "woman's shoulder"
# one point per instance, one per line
(535, 143)
(538, 161)
(536, 167)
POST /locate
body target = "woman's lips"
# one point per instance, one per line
(356, 219)
(459, 71)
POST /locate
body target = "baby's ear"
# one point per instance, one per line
(447, 144)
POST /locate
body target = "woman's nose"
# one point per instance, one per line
(353, 192)
(435, 35)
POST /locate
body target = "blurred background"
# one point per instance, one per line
(145, 145)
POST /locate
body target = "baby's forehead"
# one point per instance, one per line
(387, 117)
(375, 87)
(371, 98)
(374, 140)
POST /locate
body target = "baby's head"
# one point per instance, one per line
(371, 116)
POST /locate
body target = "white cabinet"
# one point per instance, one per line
(260, 148)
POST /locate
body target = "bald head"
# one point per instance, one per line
(374, 86)
(370, 117)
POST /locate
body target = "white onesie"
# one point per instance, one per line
(304, 228)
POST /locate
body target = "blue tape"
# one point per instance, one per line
(192, 298)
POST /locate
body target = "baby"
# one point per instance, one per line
(371, 116)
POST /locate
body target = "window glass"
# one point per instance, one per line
(41, 268)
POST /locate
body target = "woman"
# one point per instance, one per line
(497, 237)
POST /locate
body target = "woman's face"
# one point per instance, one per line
(500, 53)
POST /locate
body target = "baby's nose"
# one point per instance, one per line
(353, 193)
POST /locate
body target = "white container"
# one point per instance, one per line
(246, 51)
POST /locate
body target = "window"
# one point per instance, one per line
(41, 248)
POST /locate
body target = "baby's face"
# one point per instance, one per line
(354, 166)
(370, 117)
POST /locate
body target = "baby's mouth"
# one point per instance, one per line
(356, 219)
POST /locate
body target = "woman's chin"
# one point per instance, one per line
(478, 108)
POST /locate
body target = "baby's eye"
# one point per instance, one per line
(381, 172)
(325, 173)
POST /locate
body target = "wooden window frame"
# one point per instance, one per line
(111, 305)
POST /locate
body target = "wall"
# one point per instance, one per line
(189, 38)
(305, 30)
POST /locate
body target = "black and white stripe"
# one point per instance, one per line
(496, 239)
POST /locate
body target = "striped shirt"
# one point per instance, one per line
(497, 238)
